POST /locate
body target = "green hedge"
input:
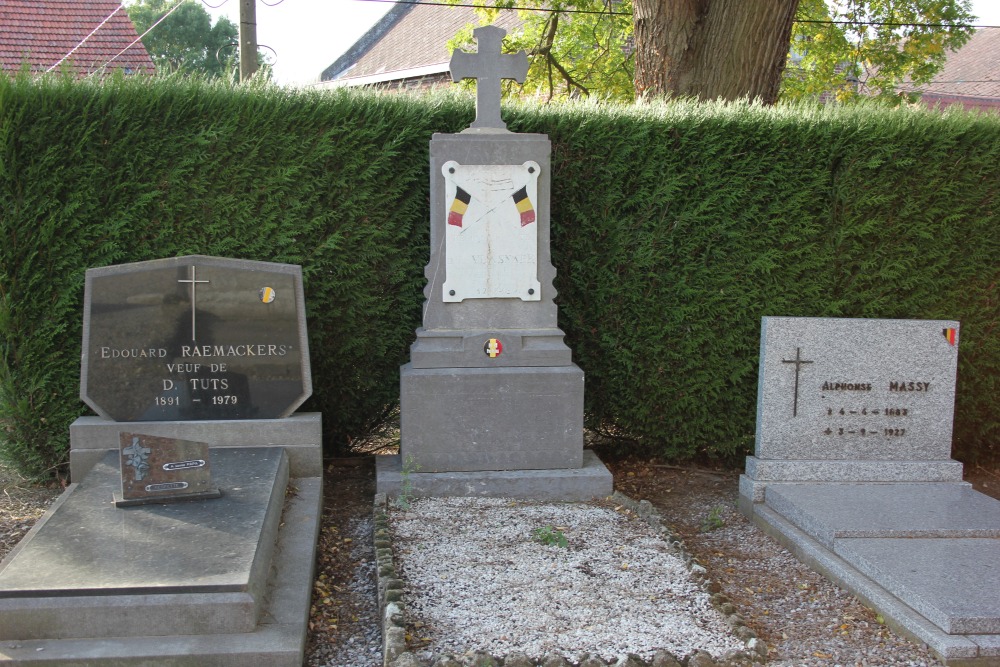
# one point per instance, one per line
(675, 228)
(697, 220)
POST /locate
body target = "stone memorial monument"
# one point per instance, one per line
(491, 392)
(195, 366)
(852, 471)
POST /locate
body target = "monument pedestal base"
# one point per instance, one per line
(762, 472)
(300, 435)
(473, 419)
(592, 480)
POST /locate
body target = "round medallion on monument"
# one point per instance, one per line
(493, 348)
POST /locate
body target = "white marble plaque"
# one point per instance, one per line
(491, 231)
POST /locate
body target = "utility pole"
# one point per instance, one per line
(248, 39)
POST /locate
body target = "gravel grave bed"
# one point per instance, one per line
(506, 576)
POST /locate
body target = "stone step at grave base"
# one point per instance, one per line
(213, 582)
(926, 556)
(299, 434)
(592, 480)
(760, 473)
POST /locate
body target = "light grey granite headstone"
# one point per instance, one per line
(854, 400)
(852, 472)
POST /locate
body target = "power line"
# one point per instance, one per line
(139, 38)
(614, 13)
(82, 41)
(935, 83)
(892, 24)
(525, 9)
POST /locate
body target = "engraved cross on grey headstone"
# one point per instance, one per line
(488, 66)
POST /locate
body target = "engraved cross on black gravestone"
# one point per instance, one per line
(488, 66)
(193, 280)
(798, 361)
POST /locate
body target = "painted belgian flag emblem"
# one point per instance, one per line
(524, 206)
(493, 348)
(458, 207)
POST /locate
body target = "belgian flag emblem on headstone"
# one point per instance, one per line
(951, 335)
(524, 206)
(458, 207)
(493, 348)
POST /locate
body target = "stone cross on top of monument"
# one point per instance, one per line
(488, 67)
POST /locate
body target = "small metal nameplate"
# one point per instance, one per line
(158, 469)
(184, 465)
(166, 486)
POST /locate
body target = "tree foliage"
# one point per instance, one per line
(571, 54)
(848, 48)
(186, 41)
(731, 48)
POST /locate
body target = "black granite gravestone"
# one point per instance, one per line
(195, 338)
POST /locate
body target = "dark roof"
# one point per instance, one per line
(411, 40)
(41, 33)
(971, 75)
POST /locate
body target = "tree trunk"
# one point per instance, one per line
(712, 48)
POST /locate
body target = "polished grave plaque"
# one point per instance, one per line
(491, 237)
(194, 338)
(156, 469)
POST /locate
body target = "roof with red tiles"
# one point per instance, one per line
(411, 40)
(971, 75)
(84, 35)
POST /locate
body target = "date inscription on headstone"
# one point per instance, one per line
(193, 338)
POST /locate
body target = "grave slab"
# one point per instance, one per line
(592, 480)
(277, 641)
(91, 569)
(831, 511)
(953, 582)
(952, 649)
(989, 646)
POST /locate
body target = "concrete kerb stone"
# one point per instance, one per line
(392, 609)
